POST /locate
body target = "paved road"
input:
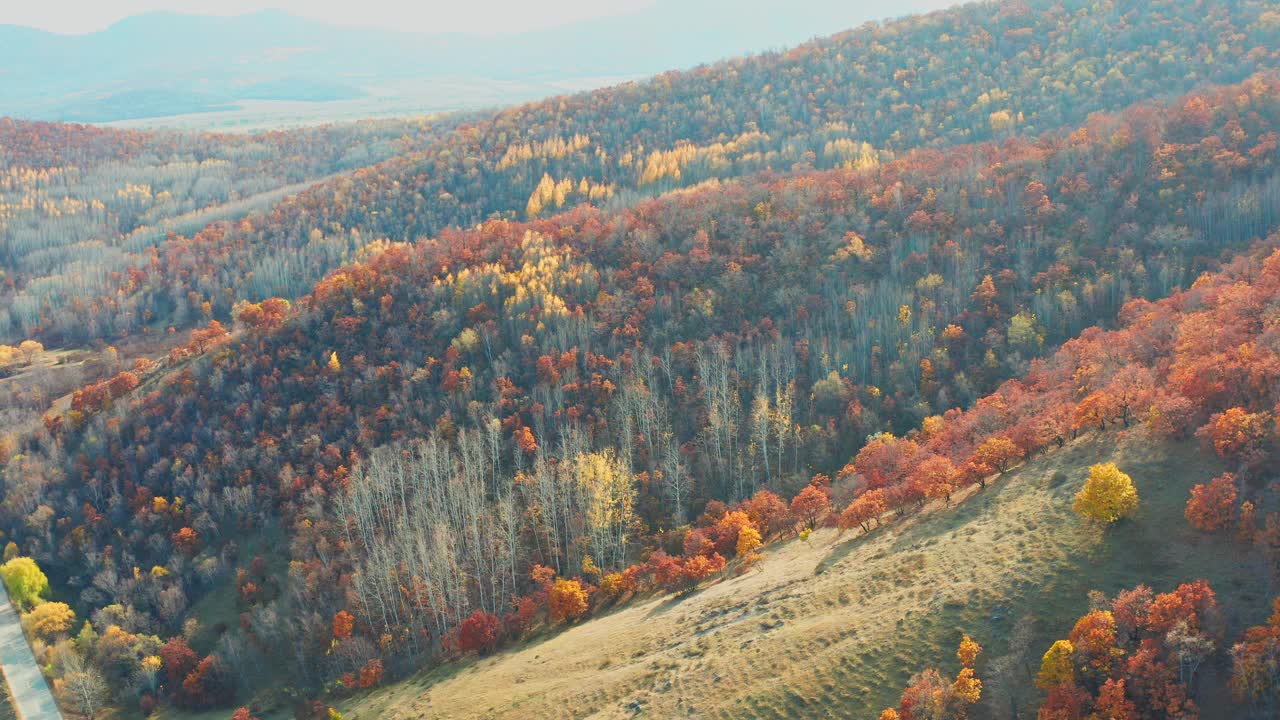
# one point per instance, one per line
(31, 695)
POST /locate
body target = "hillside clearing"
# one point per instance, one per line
(841, 622)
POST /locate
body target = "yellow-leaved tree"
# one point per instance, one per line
(748, 541)
(25, 582)
(49, 620)
(967, 686)
(1108, 495)
(30, 349)
(1056, 667)
(968, 651)
(607, 492)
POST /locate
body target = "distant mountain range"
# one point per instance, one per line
(166, 64)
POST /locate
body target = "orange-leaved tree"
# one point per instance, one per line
(568, 600)
(810, 504)
(865, 508)
(1212, 505)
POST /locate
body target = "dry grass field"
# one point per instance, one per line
(835, 626)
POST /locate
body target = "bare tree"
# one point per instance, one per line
(82, 686)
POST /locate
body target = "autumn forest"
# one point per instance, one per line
(306, 422)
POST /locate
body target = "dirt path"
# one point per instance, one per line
(31, 695)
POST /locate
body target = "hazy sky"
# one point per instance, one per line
(78, 16)
(473, 16)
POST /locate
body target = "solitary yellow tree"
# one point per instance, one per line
(1108, 495)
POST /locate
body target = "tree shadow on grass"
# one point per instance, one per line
(839, 550)
(674, 601)
(918, 525)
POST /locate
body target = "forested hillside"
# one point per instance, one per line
(1204, 361)
(83, 211)
(975, 73)
(560, 392)
(1200, 367)
(553, 359)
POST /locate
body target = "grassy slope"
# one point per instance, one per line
(840, 623)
